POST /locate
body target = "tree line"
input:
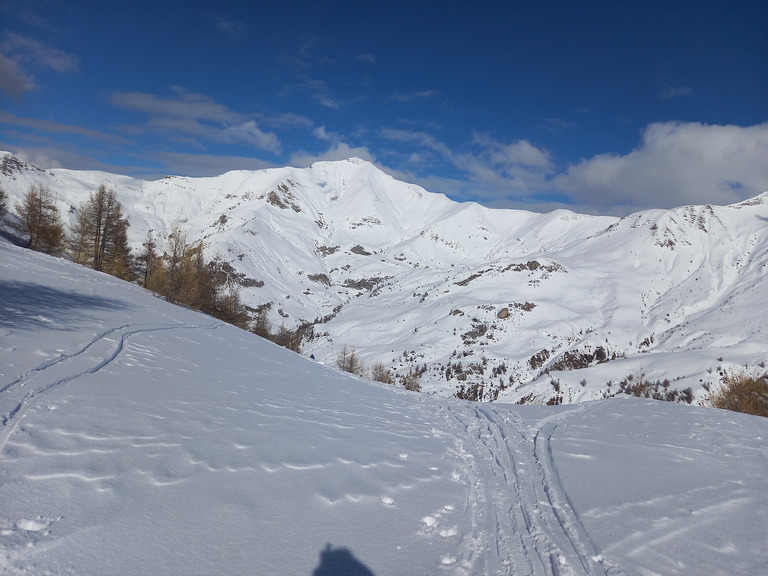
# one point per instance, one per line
(348, 361)
(179, 272)
(98, 239)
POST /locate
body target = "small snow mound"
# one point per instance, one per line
(30, 525)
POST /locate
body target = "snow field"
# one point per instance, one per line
(139, 437)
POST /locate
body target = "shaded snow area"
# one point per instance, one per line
(142, 438)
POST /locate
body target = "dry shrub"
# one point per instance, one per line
(380, 373)
(742, 393)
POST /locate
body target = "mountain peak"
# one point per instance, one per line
(481, 302)
(10, 164)
(353, 160)
(357, 161)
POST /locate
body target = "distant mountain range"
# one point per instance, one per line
(482, 303)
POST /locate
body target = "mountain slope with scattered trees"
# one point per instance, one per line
(454, 298)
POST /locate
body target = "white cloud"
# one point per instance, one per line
(328, 102)
(13, 81)
(54, 127)
(322, 134)
(493, 169)
(250, 132)
(286, 120)
(184, 105)
(337, 151)
(518, 153)
(670, 92)
(18, 52)
(423, 139)
(48, 154)
(189, 116)
(206, 164)
(558, 124)
(39, 157)
(675, 164)
(411, 96)
(317, 89)
(26, 50)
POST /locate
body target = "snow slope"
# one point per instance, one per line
(541, 307)
(142, 438)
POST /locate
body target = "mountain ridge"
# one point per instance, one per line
(525, 306)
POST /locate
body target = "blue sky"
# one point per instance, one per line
(601, 107)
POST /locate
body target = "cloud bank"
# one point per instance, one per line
(194, 119)
(19, 53)
(675, 164)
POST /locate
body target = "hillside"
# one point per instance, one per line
(556, 307)
(137, 437)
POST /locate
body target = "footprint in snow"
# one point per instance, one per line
(432, 525)
(25, 532)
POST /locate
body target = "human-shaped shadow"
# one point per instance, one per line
(340, 562)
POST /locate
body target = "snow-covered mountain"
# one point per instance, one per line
(138, 437)
(556, 307)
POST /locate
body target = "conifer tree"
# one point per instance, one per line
(39, 220)
(3, 203)
(184, 276)
(202, 279)
(260, 324)
(99, 237)
(287, 338)
(146, 261)
(410, 381)
(380, 373)
(229, 306)
(348, 361)
(171, 282)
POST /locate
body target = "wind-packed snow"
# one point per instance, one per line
(142, 438)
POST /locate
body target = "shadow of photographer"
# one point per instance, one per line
(340, 562)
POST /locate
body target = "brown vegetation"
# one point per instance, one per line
(99, 238)
(742, 393)
(348, 361)
(381, 373)
(39, 221)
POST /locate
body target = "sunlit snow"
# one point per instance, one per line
(412, 279)
(142, 438)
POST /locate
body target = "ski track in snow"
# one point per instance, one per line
(522, 521)
(104, 349)
(517, 516)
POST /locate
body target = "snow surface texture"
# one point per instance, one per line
(534, 303)
(142, 438)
